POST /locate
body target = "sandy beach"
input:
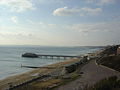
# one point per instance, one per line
(17, 79)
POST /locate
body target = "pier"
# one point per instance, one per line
(32, 55)
(56, 56)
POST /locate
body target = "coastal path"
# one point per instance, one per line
(92, 73)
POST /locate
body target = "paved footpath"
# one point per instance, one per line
(92, 74)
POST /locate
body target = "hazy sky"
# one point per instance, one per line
(59, 22)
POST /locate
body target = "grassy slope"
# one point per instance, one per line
(50, 84)
(112, 62)
(111, 83)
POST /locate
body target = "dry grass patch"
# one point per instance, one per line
(47, 84)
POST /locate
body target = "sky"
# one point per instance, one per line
(59, 22)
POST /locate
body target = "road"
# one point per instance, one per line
(92, 74)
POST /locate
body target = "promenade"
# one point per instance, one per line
(92, 73)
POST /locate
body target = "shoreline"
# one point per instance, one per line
(38, 72)
(29, 69)
(19, 78)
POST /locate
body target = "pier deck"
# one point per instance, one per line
(58, 56)
(32, 55)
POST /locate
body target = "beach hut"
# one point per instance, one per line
(118, 50)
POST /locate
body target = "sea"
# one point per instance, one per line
(11, 59)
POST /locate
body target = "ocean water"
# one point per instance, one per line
(11, 60)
